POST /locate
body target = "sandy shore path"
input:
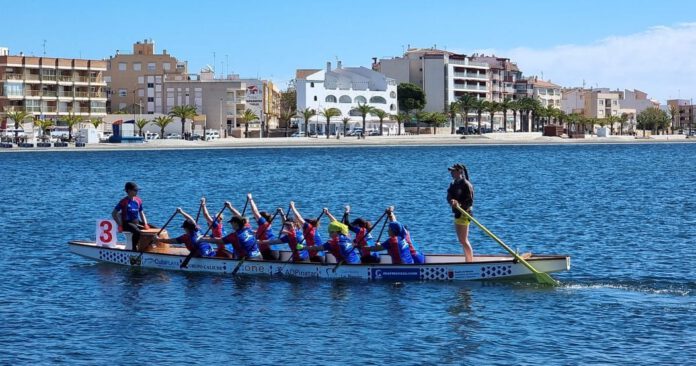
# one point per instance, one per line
(375, 141)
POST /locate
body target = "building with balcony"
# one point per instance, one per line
(444, 76)
(684, 118)
(546, 92)
(503, 76)
(135, 80)
(345, 88)
(221, 101)
(51, 88)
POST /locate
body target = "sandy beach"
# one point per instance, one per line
(373, 141)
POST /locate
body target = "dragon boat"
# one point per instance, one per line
(437, 267)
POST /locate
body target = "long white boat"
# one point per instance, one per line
(438, 267)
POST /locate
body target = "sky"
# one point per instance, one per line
(619, 44)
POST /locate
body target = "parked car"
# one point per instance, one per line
(296, 134)
(212, 135)
(355, 132)
(174, 136)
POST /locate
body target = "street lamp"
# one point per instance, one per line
(221, 117)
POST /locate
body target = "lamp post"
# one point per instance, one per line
(221, 117)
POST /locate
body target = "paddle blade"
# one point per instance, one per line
(546, 279)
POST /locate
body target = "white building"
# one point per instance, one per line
(344, 89)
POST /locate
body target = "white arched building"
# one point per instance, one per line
(344, 89)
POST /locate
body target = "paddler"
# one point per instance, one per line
(241, 238)
(293, 237)
(264, 231)
(309, 231)
(361, 227)
(340, 244)
(192, 238)
(217, 230)
(418, 256)
(396, 245)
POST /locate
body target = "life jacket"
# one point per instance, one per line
(124, 208)
(361, 241)
(294, 238)
(243, 242)
(398, 250)
(342, 249)
(263, 232)
(217, 230)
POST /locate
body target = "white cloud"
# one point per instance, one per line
(660, 61)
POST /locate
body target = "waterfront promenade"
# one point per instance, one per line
(403, 140)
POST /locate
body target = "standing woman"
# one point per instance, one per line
(461, 193)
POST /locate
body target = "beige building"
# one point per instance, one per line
(136, 80)
(51, 87)
(684, 118)
(503, 76)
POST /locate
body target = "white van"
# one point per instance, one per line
(212, 135)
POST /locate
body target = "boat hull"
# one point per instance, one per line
(438, 267)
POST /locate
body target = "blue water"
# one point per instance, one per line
(625, 213)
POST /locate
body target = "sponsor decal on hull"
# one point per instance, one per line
(395, 273)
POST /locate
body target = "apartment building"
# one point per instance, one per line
(546, 92)
(135, 80)
(344, 88)
(603, 102)
(52, 87)
(503, 76)
(444, 76)
(685, 117)
(221, 101)
(262, 98)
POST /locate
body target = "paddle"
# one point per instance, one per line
(365, 236)
(541, 277)
(186, 261)
(200, 206)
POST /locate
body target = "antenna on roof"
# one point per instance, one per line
(44, 47)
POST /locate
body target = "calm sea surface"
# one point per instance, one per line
(625, 213)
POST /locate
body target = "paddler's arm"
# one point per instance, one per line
(143, 218)
(211, 239)
(346, 215)
(185, 215)
(234, 211)
(206, 214)
(329, 215)
(375, 248)
(117, 218)
(298, 217)
(270, 242)
(254, 209)
(157, 239)
(390, 213)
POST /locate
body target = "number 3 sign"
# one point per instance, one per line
(106, 233)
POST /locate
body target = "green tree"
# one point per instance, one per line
(96, 122)
(71, 120)
(329, 113)
(141, 123)
(492, 108)
(422, 117)
(288, 99)
(452, 111)
(285, 117)
(436, 120)
(381, 115)
(184, 112)
(248, 117)
(43, 125)
(364, 110)
(622, 121)
(674, 115)
(504, 107)
(400, 119)
(479, 107)
(410, 97)
(345, 121)
(306, 115)
(162, 122)
(467, 102)
(18, 118)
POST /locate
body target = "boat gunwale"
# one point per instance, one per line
(511, 259)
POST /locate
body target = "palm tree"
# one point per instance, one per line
(162, 122)
(184, 112)
(467, 102)
(71, 120)
(345, 121)
(307, 114)
(492, 108)
(674, 115)
(622, 121)
(96, 122)
(328, 113)
(505, 106)
(364, 109)
(285, 117)
(381, 114)
(18, 117)
(400, 118)
(479, 107)
(452, 111)
(421, 116)
(515, 107)
(437, 119)
(247, 118)
(42, 124)
(141, 123)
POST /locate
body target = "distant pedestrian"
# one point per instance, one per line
(461, 193)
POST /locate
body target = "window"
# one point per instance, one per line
(141, 92)
(392, 94)
(330, 99)
(150, 99)
(122, 92)
(122, 66)
(360, 100)
(378, 100)
(151, 66)
(121, 106)
(311, 85)
(141, 80)
(315, 98)
(166, 66)
(150, 85)
(344, 99)
(136, 66)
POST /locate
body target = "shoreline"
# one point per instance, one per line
(524, 139)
